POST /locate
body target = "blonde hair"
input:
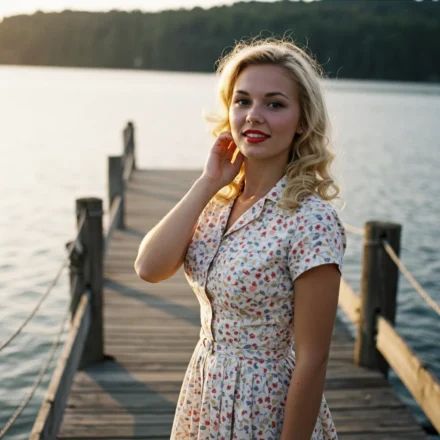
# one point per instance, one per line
(307, 171)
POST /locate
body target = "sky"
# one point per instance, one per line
(14, 7)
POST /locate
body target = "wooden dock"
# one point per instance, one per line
(150, 331)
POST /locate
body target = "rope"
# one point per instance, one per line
(76, 243)
(5, 343)
(410, 278)
(354, 229)
(38, 379)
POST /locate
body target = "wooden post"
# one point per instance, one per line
(76, 273)
(378, 291)
(131, 144)
(92, 235)
(116, 185)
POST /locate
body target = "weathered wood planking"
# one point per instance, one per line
(151, 330)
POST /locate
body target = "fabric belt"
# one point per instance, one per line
(257, 354)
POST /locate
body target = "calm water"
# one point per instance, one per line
(59, 125)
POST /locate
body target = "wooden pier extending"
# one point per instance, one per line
(150, 331)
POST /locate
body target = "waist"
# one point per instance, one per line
(259, 354)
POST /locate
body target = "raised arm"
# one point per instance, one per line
(162, 250)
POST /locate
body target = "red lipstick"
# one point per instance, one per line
(255, 136)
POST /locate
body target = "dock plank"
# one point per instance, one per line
(152, 329)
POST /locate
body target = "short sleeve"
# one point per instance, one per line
(319, 238)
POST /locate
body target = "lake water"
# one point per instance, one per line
(59, 125)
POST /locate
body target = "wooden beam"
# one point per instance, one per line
(113, 222)
(423, 385)
(350, 302)
(51, 412)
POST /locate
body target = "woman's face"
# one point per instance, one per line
(265, 100)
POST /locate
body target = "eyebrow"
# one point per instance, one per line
(243, 92)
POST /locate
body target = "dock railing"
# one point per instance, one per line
(86, 254)
(378, 346)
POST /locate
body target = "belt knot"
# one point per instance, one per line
(208, 344)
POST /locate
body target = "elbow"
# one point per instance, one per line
(315, 361)
(143, 273)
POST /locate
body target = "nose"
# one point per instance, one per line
(254, 116)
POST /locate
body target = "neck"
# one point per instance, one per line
(257, 183)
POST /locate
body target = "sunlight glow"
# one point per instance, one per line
(15, 7)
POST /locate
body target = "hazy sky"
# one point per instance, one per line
(13, 7)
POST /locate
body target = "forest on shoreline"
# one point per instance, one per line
(358, 39)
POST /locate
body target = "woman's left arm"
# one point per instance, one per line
(316, 302)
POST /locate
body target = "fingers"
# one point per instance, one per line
(225, 137)
(226, 142)
(225, 133)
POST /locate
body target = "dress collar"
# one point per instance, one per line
(253, 211)
(276, 192)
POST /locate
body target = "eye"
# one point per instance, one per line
(276, 104)
(273, 104)
(240, 101)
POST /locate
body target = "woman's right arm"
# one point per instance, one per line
(163, 249)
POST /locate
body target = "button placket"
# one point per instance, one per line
(208, 304)
(219, 235)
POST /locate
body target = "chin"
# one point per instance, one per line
(257, 155)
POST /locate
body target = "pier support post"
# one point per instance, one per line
(129, 143)
(378, 291)
(116, 186)
(87, 273)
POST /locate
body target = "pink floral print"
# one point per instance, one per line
(237, 380)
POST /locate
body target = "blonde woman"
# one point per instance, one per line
(262, 248)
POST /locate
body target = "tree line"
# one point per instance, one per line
(358, 39)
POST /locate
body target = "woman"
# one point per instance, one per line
(259, 240)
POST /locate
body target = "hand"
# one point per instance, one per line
(218, 167)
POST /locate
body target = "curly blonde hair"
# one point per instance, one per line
(307, 170)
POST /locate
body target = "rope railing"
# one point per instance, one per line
(50, 288)
(76, 244)
(410, 278)
(405, 272)
(353, 229)
(39, 377)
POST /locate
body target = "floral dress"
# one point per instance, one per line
(237, 380)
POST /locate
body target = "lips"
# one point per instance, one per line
(255, 136)
(256, 133)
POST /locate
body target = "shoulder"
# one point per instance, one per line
(317, 237)
(315, 207)
(318, 216)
